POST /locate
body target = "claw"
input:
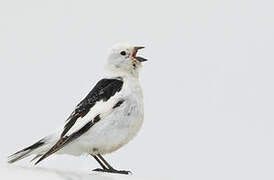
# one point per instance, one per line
(113, 171)
(99, 169)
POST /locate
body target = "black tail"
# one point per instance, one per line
(25, 152)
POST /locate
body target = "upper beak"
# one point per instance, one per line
(140, 59)
(136, 48)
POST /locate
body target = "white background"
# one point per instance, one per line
(208, 84)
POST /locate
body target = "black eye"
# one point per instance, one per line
(123, 53)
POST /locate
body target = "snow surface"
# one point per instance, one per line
(12, 172)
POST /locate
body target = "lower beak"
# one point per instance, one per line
(138, 58)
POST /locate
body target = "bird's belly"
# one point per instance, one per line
(113, 131)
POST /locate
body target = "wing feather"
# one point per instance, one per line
(103, 90)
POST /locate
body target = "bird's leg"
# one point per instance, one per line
(106, 163)
(110, 169)
(98, 160)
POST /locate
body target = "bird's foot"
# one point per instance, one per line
(113, 171)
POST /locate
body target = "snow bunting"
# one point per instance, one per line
(105, 120)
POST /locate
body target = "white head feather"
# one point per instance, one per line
(122, 60)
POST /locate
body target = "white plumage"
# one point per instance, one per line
(116, 127)
(108, 118)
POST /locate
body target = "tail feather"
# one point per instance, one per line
(25, 152)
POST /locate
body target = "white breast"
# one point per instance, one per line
(117, 127)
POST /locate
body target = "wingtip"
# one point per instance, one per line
(44, 156)
(39, 160)
(36, 157)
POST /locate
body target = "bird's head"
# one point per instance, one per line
(123, 59)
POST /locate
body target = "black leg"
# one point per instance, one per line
(98, 160)
(106, 163)
(109, 168)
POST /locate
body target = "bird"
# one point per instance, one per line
(105, 120)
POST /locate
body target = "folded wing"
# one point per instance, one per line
(100, 94)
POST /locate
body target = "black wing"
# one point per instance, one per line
(103, 90)
(67, 139)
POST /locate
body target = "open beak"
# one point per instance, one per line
(138, 58)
